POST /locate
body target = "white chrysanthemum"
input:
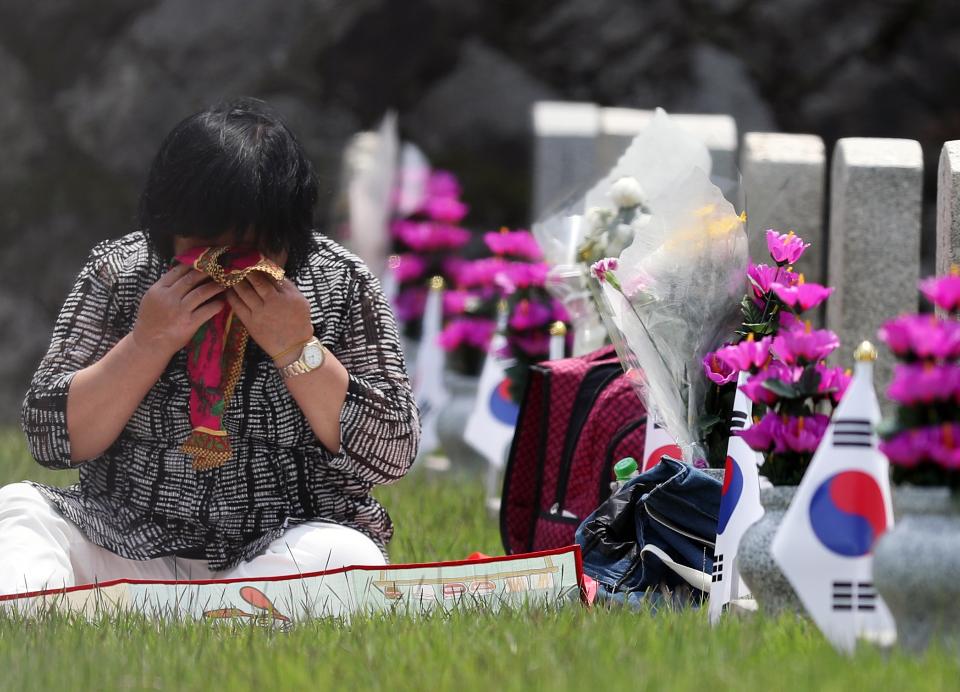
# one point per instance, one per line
(597, 219)
(640, 222)
(626, 192)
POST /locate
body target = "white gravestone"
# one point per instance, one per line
(874, 253)
(564, 150)
(948, 208)
(784, 176)
(618, 127)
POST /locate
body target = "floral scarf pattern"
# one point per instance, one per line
(215, 353)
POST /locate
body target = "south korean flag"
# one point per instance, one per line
(740, 508)
(825, 544)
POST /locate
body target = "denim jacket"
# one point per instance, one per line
(671, 510)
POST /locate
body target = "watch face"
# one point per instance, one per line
(312, 355)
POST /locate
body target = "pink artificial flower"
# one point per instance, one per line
(922, 336)
(602, 267)
(785, 248)
(762, 435)
(408, 267)
(946, 447)
(747, 355)
(755, 390)
(909, 447)
(534, 344)
(799, 346)
(787, 320)
(944, 292)
(467, 331)
(802, 296)
(924, 383)
(457, 302)
(477, 273)
(763, 276)
(445, 209)
(718, 371)
(518, 244)
(518, 275)
(529, 315)
(833, 382)
(442, 184)
(427, 236)
(410, 303)
(801, 434)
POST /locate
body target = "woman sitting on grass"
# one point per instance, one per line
(228, 418)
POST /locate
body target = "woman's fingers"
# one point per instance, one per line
(201, 294)
(237, 305)
(174, 274)
(248, 295)
(188, 282)
(263, 286)
(207, 311)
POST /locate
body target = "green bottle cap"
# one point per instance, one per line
(625, 468)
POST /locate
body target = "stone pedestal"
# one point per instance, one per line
(874, 262)
(783, 187)
(915, 567)
(948, 208)
(564, 150)
(770, 588)
(618, 127)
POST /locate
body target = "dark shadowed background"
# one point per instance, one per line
(90, 87)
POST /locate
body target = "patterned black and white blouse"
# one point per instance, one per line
(142, 499)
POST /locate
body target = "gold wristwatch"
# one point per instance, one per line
(311, 357)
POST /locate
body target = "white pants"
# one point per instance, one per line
(39, 549)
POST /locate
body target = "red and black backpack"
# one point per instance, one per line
(578, 417)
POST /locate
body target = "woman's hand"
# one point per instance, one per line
(172, 310)
(276, 315)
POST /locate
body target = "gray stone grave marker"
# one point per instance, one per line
(784, 176)
(564, 150)
(948, 208)
(874, 253)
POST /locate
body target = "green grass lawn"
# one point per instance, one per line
(571, 648)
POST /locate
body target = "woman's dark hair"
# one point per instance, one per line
(235, 167)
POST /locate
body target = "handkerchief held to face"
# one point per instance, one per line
(215, 353)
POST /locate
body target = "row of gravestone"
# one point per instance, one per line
(869, 246)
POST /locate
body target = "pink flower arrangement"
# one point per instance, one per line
(922, 440)
(430, 236)
(790, 385)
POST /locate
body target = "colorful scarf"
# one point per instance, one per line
(215, 353)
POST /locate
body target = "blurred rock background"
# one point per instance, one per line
(90, 88)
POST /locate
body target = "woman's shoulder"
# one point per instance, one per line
(330, 261)
(126, 255)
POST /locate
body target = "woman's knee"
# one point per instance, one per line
(331, 546)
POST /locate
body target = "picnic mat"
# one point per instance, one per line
(544, 578)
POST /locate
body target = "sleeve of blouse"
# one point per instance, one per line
(379, 421)
(84, 332)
